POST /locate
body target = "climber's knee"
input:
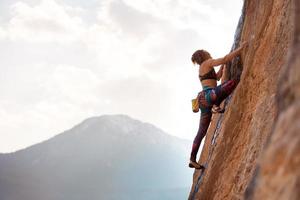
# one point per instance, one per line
(226, 88)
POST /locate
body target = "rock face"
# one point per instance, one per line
(252, 151)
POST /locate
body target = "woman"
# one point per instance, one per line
(212, 95)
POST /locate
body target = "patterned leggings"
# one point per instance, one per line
(208, 98)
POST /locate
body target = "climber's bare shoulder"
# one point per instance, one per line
(206, 66)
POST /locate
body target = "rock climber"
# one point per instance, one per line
(210, 98)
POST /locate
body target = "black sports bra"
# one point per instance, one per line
(209, 75)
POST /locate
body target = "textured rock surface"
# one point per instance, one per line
(279, 174)
(256, 147)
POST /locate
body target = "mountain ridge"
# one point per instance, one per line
(99, 156)
(95, 119)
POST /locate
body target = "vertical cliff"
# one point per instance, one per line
(252, 151)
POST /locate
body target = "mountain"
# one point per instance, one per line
(106, 157)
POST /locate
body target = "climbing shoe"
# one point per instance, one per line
(194, 164)
(217, 109)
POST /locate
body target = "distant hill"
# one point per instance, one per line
(106, 157)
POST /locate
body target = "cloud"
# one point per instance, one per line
(183, 14)
(65, 95)
(49, 101)
(45, 22)
(3, 34)
(63, 61)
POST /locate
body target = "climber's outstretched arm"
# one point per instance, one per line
(227, 58)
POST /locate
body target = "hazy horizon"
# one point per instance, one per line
(65, 61)
(90, 118)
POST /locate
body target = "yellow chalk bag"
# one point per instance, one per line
(195, 105)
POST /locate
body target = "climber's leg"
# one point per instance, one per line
(205, 107)
(203, 126)
(222, 91)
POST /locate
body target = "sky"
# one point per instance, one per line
(63, 61)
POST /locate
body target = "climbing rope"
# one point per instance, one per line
(211, 149)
